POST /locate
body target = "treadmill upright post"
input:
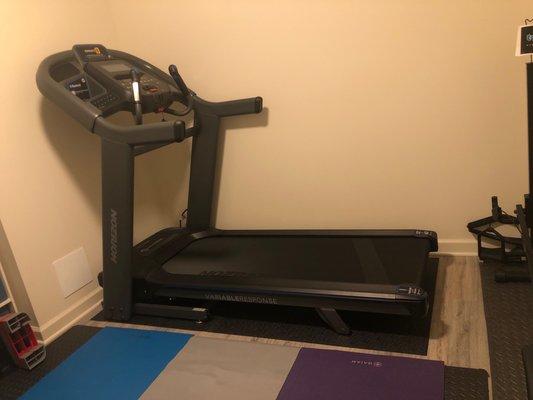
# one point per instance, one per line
(203, 171)
(117, 228)
(204, 159)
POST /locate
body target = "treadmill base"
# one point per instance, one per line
(197, 314)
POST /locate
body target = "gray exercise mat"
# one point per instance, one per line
(226, 370)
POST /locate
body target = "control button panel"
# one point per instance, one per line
(104, 101)
(148, 83)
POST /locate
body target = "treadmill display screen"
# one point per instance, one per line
(117, 68)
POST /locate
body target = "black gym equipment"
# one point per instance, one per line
(362, 270)
(514, 253)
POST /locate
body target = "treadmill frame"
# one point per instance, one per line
(117, 193)
(117, 199)
(121, 262)
(154, 251)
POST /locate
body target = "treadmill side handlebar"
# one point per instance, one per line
(83, 112)
(160, 132)
(252, 105)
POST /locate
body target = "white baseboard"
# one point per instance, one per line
(82, 310)
(457, 247)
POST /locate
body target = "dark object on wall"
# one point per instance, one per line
(524, 46)
(20, 341)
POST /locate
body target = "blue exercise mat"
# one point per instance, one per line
(114, 364)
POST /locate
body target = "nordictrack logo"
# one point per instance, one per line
(113, 228)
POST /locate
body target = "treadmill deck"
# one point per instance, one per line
(374, 271)
(373, 261)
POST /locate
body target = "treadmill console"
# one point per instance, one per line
(103, 78)
(90, 83)
(115, 76)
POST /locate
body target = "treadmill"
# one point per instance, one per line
(167, 274)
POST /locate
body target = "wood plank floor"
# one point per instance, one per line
(458, 330)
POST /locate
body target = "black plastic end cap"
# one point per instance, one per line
(134, 75)
(258, 104)
(179, 131)
(431, 236)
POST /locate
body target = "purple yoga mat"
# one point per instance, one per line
(335, 375)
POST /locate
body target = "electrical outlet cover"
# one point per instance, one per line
(73, 271)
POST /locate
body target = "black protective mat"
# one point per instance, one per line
(461, 383)
(465, 384)
(509, 315)
(370, 331)
(17, 381)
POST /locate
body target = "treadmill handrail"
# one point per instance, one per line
(93, 120)
(83, 112)
(229, 108)
(159, 132)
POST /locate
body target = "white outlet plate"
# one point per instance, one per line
(73, 271)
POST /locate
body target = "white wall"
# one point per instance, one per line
(49, 165)
(380, 114)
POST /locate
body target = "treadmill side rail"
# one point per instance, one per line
(431, 236)
(414, 308)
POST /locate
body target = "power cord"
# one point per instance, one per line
(183, 218)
